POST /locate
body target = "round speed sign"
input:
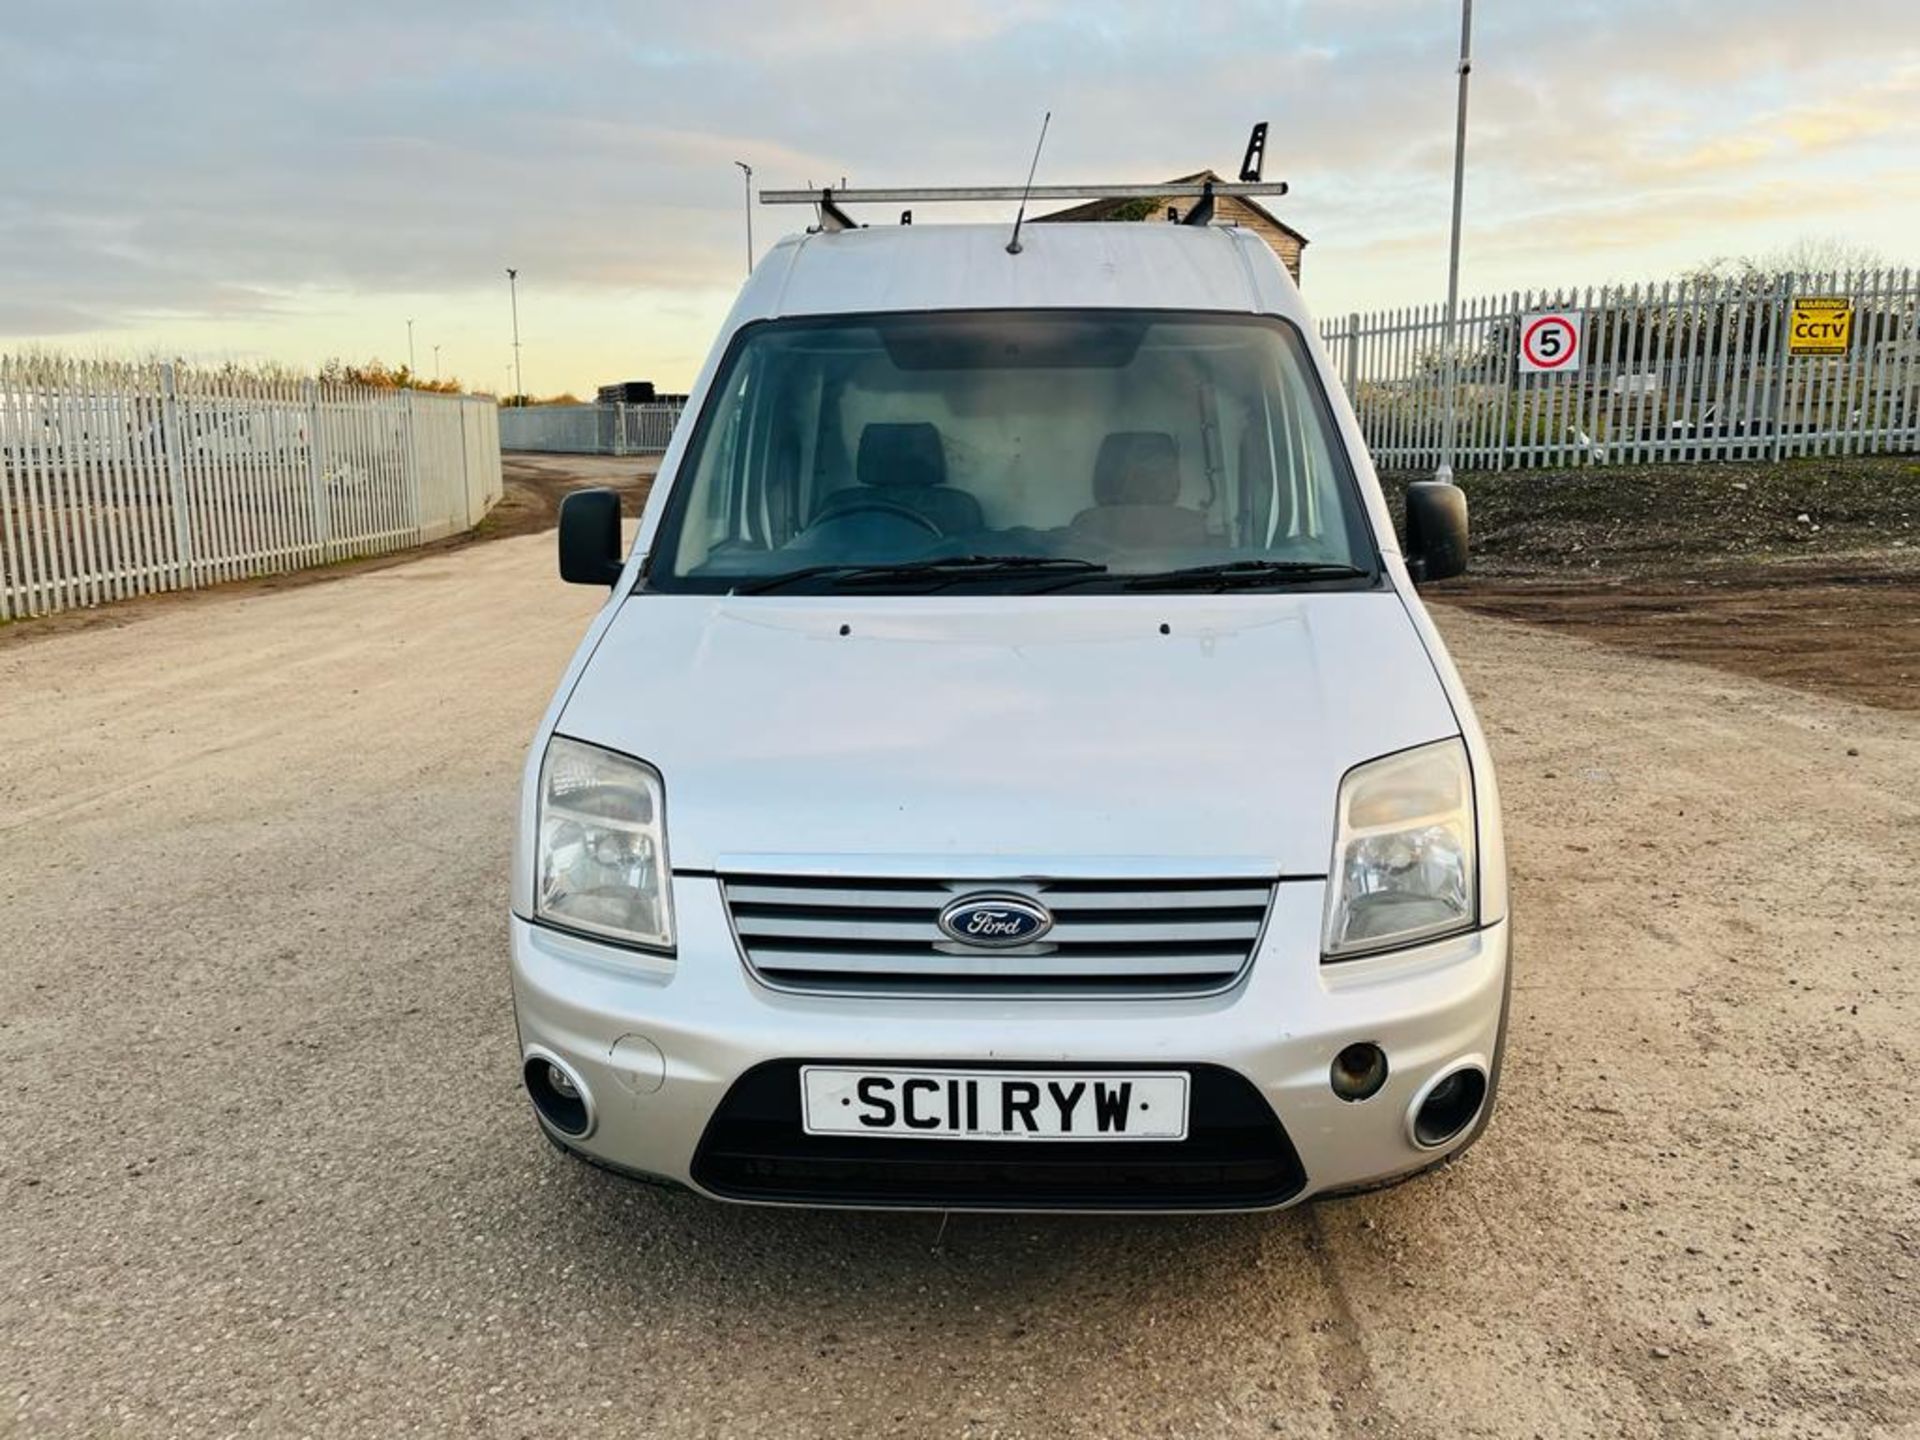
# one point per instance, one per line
(1550, 341)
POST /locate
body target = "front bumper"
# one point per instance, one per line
(658, 1044)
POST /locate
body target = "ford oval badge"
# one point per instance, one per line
(995, 921)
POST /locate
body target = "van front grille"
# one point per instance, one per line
(1108, 936)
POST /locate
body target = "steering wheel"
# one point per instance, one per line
(879, 504)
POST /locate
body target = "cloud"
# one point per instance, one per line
(1627, 225)
(238, 165)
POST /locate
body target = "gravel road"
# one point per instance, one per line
(265, 1168)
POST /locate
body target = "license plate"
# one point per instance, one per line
(994, 1104)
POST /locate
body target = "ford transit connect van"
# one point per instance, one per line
(1012, 769)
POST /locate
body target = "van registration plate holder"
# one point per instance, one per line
(1017, 1105)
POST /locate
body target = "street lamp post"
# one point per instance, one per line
(746, 174)
(410, 369)
(1451, 370)
(436, 364)
(513, 297)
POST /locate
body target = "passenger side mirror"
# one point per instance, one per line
(1436, 531)
(590, 537)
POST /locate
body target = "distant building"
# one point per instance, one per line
(635, 392)
(1249, 214)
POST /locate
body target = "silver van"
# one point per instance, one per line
(1012, 768)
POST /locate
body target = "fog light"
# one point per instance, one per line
(1359, 1071)
(559, 1095)
(1448, 1107)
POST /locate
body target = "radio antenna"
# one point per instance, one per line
(1013, 245)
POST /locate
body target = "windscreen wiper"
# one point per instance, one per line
(938, 568)
(1244, 574)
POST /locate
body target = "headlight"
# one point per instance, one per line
(1403, 859)
(601, 863)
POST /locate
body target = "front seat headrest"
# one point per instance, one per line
(901, 456)
(1136, 467)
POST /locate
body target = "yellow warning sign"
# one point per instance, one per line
(1821, 325)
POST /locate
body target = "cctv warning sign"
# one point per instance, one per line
(1820, 325)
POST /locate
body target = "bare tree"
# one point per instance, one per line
(1809, 255)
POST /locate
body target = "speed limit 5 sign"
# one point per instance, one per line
(1550, 341)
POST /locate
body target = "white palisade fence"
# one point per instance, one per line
(121, 479)
(1697, 369)
(642, 429)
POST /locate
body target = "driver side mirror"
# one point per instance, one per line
(590, 537)
(1436, 531)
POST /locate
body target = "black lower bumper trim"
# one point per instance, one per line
(1236, 1155)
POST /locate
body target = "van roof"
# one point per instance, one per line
(1128, 265)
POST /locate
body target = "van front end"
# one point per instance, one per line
(1013, 770)
(692, 1070)
(738, 966)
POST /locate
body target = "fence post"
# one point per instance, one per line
(316, 474)
(1353, 360)
(413, 460)
(176, 475)
(466, 466)
(1782, 353)
(1509, 364)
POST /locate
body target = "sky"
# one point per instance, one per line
(266, 180)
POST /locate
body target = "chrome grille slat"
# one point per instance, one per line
(1240, 898)
(1132, 937)
(834, 928)
(1055, 967)
(749, 892)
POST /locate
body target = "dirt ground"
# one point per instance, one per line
(1833, 631)
(534, 485)
(265, 1166)
(1805, 573)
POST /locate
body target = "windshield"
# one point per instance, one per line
(1009, 451)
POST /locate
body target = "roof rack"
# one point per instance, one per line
(828, 199)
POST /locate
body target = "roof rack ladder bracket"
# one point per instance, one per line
(831, 218)
(1202, 211)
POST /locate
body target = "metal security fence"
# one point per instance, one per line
(1688, 370)
(118, 480)
(589, 429)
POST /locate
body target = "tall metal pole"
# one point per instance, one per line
(436, 364)
(410, 369)
(746, 171)
(1444, 471)
(513, 296)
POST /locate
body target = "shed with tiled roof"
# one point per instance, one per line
(1241, 210)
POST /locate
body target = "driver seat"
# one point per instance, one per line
(906, 464)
